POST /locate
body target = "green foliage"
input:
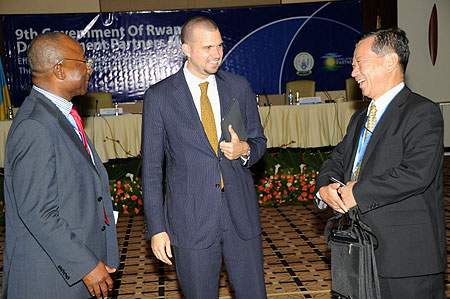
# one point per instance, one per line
(118, 168)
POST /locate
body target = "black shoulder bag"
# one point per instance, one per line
(353, 269)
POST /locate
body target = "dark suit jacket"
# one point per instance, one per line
(172, 130)
(54, 195)
(399, 190)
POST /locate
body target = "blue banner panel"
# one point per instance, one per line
(269, 45)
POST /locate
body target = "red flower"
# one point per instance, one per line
(140, 202)
(304, 194)
(133, 197)
(260, 188)
(119, 191)
(136, 210)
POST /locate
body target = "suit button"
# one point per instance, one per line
(99, 199)
(218, 185)
(103, 228)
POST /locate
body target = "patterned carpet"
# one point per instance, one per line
(297, 260)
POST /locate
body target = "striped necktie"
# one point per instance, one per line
(371, 122)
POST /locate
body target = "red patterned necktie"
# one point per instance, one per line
(80, 127)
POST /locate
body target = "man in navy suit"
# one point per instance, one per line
(210, 209)
(393, 171)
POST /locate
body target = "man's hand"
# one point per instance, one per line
(235, 148)
(98, 281)
(161, 247)
(329, 194)
(347, 195)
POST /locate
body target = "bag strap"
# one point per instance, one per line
(355, 215)
(330, 223)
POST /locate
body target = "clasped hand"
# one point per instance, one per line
(338, 198)
(235, 148)
(98, 281)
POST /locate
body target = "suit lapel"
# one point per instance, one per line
(183, 98)
(390, 115)
(68, 132)
(224, 97)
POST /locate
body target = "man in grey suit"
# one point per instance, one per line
(391, 160)
(210, 208)
(60, 232)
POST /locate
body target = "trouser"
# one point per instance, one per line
(198, 270)
(415, 287)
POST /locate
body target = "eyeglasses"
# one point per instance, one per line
(88, 62)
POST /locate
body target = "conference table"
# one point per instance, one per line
(303, 126)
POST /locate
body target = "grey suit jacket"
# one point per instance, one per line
(55, 200)
(399, 189)
(173, 132)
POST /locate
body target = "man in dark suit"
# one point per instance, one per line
(60, 234)
(391, 160)
(210, 208)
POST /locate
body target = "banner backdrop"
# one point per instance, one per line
(269, 45)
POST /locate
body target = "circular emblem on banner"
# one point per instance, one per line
(331, 61)
(303, 63)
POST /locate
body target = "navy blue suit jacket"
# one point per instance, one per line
(399, 189)
(173, 132)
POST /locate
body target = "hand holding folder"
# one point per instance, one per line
(234, 117)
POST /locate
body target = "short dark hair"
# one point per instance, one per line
(199, 21)
(390, 40)
(44, 51)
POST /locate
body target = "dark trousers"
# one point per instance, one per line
(198, 271)
(416, 287)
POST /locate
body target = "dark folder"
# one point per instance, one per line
(234, 117)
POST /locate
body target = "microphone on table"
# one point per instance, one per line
(96, 107)
(267, 103)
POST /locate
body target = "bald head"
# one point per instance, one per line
(45, 51)
(196, 22)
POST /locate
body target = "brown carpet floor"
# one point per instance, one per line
(296, 258)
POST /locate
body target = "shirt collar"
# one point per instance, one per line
(193, 80)
(382, 102)
(63, 105)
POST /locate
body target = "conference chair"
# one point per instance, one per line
(352, 90)
(306, 88)
(92, 102)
